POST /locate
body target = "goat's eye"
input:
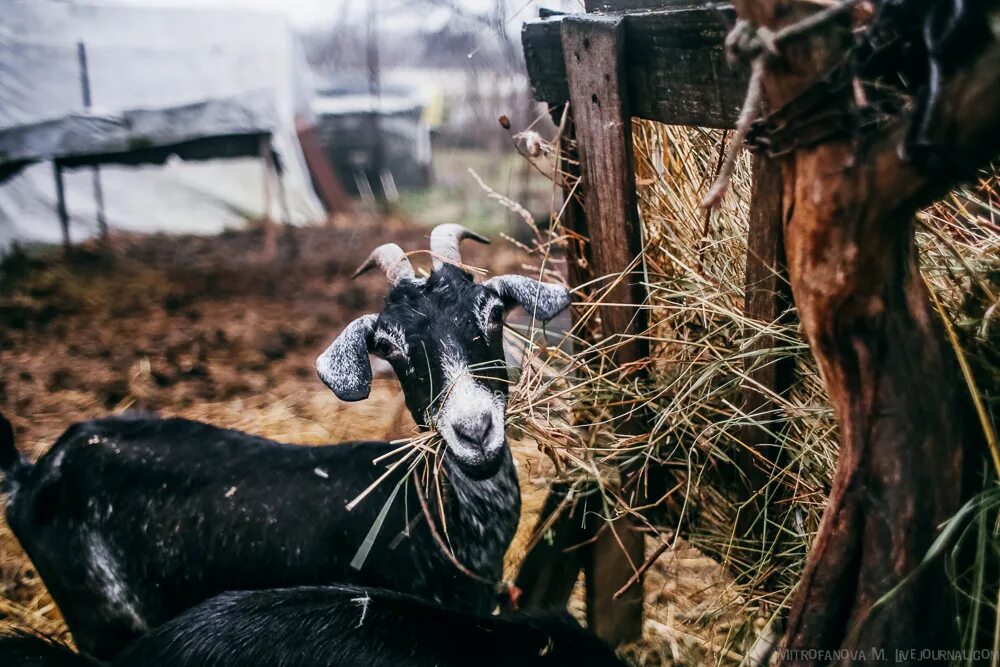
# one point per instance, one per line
(490, 315)
(388, 350)
(495, 317)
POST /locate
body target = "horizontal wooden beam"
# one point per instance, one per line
(675, 67)
(628, 5)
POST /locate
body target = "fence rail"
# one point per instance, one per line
(674, 64)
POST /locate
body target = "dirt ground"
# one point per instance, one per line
(205, 328)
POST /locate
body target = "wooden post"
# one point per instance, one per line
(102, 221)
(291, 241)
(270, 246)
(601, 125)
(286, 213)
(594, 48)
(61, 205)
(768, 298)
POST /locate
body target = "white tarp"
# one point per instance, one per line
(164, 67)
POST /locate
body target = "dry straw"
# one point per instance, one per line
(701, 351)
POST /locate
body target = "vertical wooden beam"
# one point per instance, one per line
(270, 248)
(61, 204)
(768, 298)
(594, 51)
(594, 48)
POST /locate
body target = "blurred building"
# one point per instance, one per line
(219, 87)
(375, 143)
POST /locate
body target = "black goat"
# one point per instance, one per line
(131, 520)
(337, 626)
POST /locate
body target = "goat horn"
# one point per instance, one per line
(444, 243)
(392, 260)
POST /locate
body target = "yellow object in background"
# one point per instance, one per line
(434, 110)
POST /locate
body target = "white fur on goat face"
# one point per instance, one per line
(468, 406)
(443, 337)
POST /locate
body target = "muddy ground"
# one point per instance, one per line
(206, 328)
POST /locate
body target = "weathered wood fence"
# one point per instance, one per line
(661, 60)
(843, 213)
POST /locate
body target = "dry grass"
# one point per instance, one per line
(693, 268)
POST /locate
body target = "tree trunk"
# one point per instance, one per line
(907, 437)
(902, 409)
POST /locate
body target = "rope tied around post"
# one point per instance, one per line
(759, 45)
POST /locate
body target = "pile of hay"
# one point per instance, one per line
(691, 400)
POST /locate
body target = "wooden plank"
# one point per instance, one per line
(629, 5)
(675, 65)
(57, 173)
(768, 299)
(594, 52)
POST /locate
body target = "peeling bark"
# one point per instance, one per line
(901, 408)
(908, 440)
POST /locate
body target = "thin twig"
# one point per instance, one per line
(755, 93)
(723, 154)
(660, 550)
(504, 201)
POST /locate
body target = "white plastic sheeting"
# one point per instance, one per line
(149, 63)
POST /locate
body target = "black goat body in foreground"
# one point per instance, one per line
(131, 520)
(340, 626)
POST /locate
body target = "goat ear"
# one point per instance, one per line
(344, 366)
(542, 300)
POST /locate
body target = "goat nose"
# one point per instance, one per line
(474, 429)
